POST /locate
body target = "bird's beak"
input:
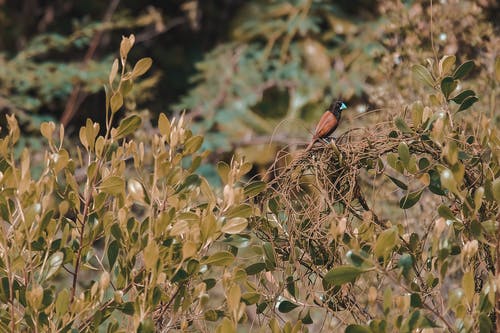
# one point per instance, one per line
(343, 106)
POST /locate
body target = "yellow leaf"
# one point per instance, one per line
(141, 67)
(235, 225)
(151, 253)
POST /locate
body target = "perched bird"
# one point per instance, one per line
(328, 122)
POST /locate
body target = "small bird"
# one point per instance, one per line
(328, 122)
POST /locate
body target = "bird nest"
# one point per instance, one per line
(318, 194)
(315, 205)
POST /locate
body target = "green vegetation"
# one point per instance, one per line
(392, 227)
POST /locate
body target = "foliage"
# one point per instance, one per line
(436, 267)
(392, 227)
(32, 80)
(286, 58)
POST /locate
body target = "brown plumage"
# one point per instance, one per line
(328, 122)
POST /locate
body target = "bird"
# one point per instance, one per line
(328, 122)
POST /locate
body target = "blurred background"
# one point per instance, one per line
(254, 76)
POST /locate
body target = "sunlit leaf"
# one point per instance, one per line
(404, 153)
(113, 72)
(250, 298)
(116, 101)
(113, 185)
(55, 262)
(386, 241)
(401, 125)
(164, 125)
(127, 126)
(235, 225)
(222, 258)
(446, 64)
(141, 67)
(423, 74)
(193, 144)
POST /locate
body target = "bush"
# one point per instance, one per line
(123, 234)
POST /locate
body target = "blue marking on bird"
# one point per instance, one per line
(343, 106)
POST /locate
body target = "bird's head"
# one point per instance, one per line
(337, 107)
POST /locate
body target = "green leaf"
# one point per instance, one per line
(193, 144)
(242, 210)
(423, 75)
(435, 182)
(448, 180)
(446, 213)
(405, 262)
(146, 326)
(255, 268)
(250, 297)
(342, 274)
(448, 85)
(223, 170)
(116, 101)
(112, 253)
(113, 185)
(485, 325)
(235, 225)
(223, 258)
(495, 189)
(468, 285)
(410, 199)
(386, 241)
(401, 125)
(211, 315)
(417, 112)
(398, 183)
(467, 103)
(191, 180)
(415, 300)
(127, 126)
(357, 329)
(269, 252)
(286, 306)
(62, 302)
(404, 153)
(462, 96)
(463, 70)
(141, 67)
(307, 319)
(254, 188)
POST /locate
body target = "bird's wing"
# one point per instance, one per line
(326, 125)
